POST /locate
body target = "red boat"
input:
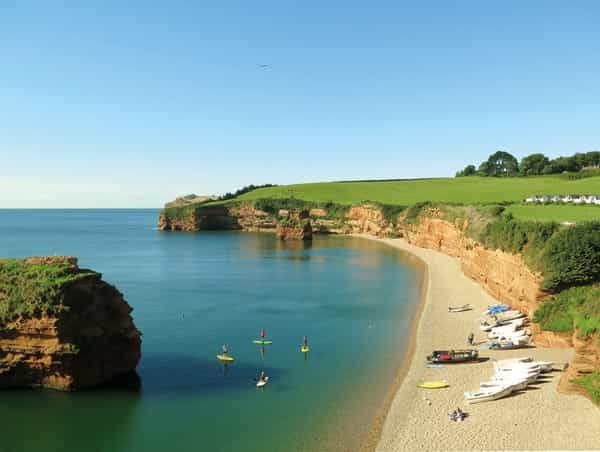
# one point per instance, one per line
(452, 356)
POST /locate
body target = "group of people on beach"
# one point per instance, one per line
(263, 335)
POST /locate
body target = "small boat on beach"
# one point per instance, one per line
(518, 384)
(487, 394)
(464, 307)
(509, 315)
(496, 309)
(509, 344)
(452, 356)
(526, 363)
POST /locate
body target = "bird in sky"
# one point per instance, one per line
(263, 66)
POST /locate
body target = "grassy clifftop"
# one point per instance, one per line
(470, 190)
(473, 190)
(28, 289)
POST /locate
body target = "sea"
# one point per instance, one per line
(354, 299)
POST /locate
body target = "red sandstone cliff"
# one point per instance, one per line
(504, 275)
(294, 226)
(93, 340)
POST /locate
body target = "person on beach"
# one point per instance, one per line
(225, 349)
(470, 339)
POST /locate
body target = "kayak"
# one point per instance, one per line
(433, 384)
(224, 358)
(260, 384)
(304, 349)
(262, 342)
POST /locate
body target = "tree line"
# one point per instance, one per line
(502, 163)
(246, 189)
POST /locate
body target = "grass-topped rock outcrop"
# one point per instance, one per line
(62, 327)
(294, 225)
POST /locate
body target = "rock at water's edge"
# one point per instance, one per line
(77, 334)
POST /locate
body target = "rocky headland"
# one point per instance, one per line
(62, 327)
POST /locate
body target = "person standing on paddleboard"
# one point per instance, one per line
(263, 334)
(305, 342)
(263, 376)
(225, 349)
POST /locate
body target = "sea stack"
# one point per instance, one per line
(62, 327)
(295, 225)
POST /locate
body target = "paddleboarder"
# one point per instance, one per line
(225, 350)
(305, 342)
(263, 334)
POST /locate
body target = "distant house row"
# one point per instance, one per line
(571, 199)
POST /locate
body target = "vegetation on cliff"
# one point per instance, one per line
(591, 384)
(566, 256)
(577, 307)
(28, 289)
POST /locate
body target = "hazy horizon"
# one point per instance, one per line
(111, 105)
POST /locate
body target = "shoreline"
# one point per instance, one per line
(407, 423)
(369, 444)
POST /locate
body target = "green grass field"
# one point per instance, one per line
(462, 190)
(558, 213)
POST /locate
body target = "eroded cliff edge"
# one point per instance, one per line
(62, 327)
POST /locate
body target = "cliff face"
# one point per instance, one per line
(84, 338)
(295, 225)
(587, 360)
(368, 219)
(504, 275)
(199, 219)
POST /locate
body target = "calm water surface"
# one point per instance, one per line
(354, 299)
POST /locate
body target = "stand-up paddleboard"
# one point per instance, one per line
(260, 384)
(262, 342)
(304, 349)
(433, 384)
(225, 358)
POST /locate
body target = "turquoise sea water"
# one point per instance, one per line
(191, 292)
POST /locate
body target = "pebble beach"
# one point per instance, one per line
(538, 418)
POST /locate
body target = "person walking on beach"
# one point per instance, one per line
(470, 339)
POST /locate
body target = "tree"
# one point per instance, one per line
(502, 164)
(469, 170)
(484, 169)
(533, 164)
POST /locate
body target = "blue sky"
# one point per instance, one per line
(106, 105)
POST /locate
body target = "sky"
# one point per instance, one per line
(129, 104)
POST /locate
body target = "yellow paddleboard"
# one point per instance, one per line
(304, 349)
(433, 384)
(224, 358)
